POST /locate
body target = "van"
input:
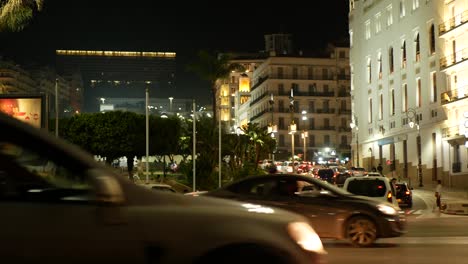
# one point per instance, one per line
(377, 187)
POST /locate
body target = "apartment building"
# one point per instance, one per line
(318, 88)
(409, 88)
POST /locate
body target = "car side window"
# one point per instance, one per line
(262, 188)
(26, 175)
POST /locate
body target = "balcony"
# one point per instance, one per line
(453, 59)
(449, 132)
(453, 23)
(303, 77)
(453, 95)
(259, 82)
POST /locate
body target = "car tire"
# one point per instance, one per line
(361, 231)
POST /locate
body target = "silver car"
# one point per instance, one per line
(60, 206)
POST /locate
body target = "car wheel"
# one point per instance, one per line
(361, 231)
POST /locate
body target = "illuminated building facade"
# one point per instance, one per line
(409, 88)
(125, 74)
(322, 105)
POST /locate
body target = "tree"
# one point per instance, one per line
(213, 67)
(15, 15)
(257, 136)
(111, 135)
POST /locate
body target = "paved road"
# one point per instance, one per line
(432, 238)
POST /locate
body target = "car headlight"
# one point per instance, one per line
(305, 236)
(386, 209)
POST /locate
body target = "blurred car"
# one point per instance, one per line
(80, 212)
(159, 187)
(358, 171)
(334, 213)
(373, 173)
(326, 174)
(404, 194)
(341, 174)
(377, 187)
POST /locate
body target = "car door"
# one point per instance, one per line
(50, 212)
(318, 205)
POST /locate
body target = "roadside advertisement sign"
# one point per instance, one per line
(28, 109)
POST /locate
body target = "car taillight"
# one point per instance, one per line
(407, 192)
(389, 196)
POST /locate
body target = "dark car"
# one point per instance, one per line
(58, 205)
(326, 174)
(404, 194)
(334, 213)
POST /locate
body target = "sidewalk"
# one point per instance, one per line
(454, 200)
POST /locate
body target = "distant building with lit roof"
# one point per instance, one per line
(121, 74)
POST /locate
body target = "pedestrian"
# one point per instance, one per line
(438, 193)
(379, 168)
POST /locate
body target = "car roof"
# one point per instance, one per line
(368, 178)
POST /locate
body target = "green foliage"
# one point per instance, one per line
(15, 15)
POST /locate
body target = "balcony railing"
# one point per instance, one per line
(259, 82)
(453, 22)
(448, 132)
(453, 95)
(453, 59)
(302, 77)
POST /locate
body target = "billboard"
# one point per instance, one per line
(29, 109)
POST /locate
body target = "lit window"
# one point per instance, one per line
(368, 30)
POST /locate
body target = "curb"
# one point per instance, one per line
(456, 208)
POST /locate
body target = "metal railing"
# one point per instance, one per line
(453, 58)
(453, 95)
(453, 22)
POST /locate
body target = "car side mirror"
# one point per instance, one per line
(107, 188)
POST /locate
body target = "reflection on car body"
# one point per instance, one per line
(78, 211)
(333, 212)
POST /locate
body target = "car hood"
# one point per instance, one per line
(141, 196)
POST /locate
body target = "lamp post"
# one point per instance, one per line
(292, 126)
(194, 145)
(414, 120)
(354, 124)
(304, 136)
(170, 104)
(56, 108)
(147, 132)
(272, 128)
(304, 133)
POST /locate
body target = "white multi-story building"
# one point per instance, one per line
(409, 88)
(320, 89)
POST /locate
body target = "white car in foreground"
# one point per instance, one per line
(80, 212)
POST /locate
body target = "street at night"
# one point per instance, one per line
(432, 237)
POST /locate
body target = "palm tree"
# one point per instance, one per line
(258, 136)
(213, 67)
(16, 14)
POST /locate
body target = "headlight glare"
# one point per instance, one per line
(305, 237)
(386, 209)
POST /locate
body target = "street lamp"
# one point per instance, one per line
(170, 104)
(272, 128)
(304, 136)
(292, 126)
(414, 120)
(354, 124)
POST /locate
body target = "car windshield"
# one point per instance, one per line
(371, 188)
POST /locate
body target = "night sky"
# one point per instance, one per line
(179, 26)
